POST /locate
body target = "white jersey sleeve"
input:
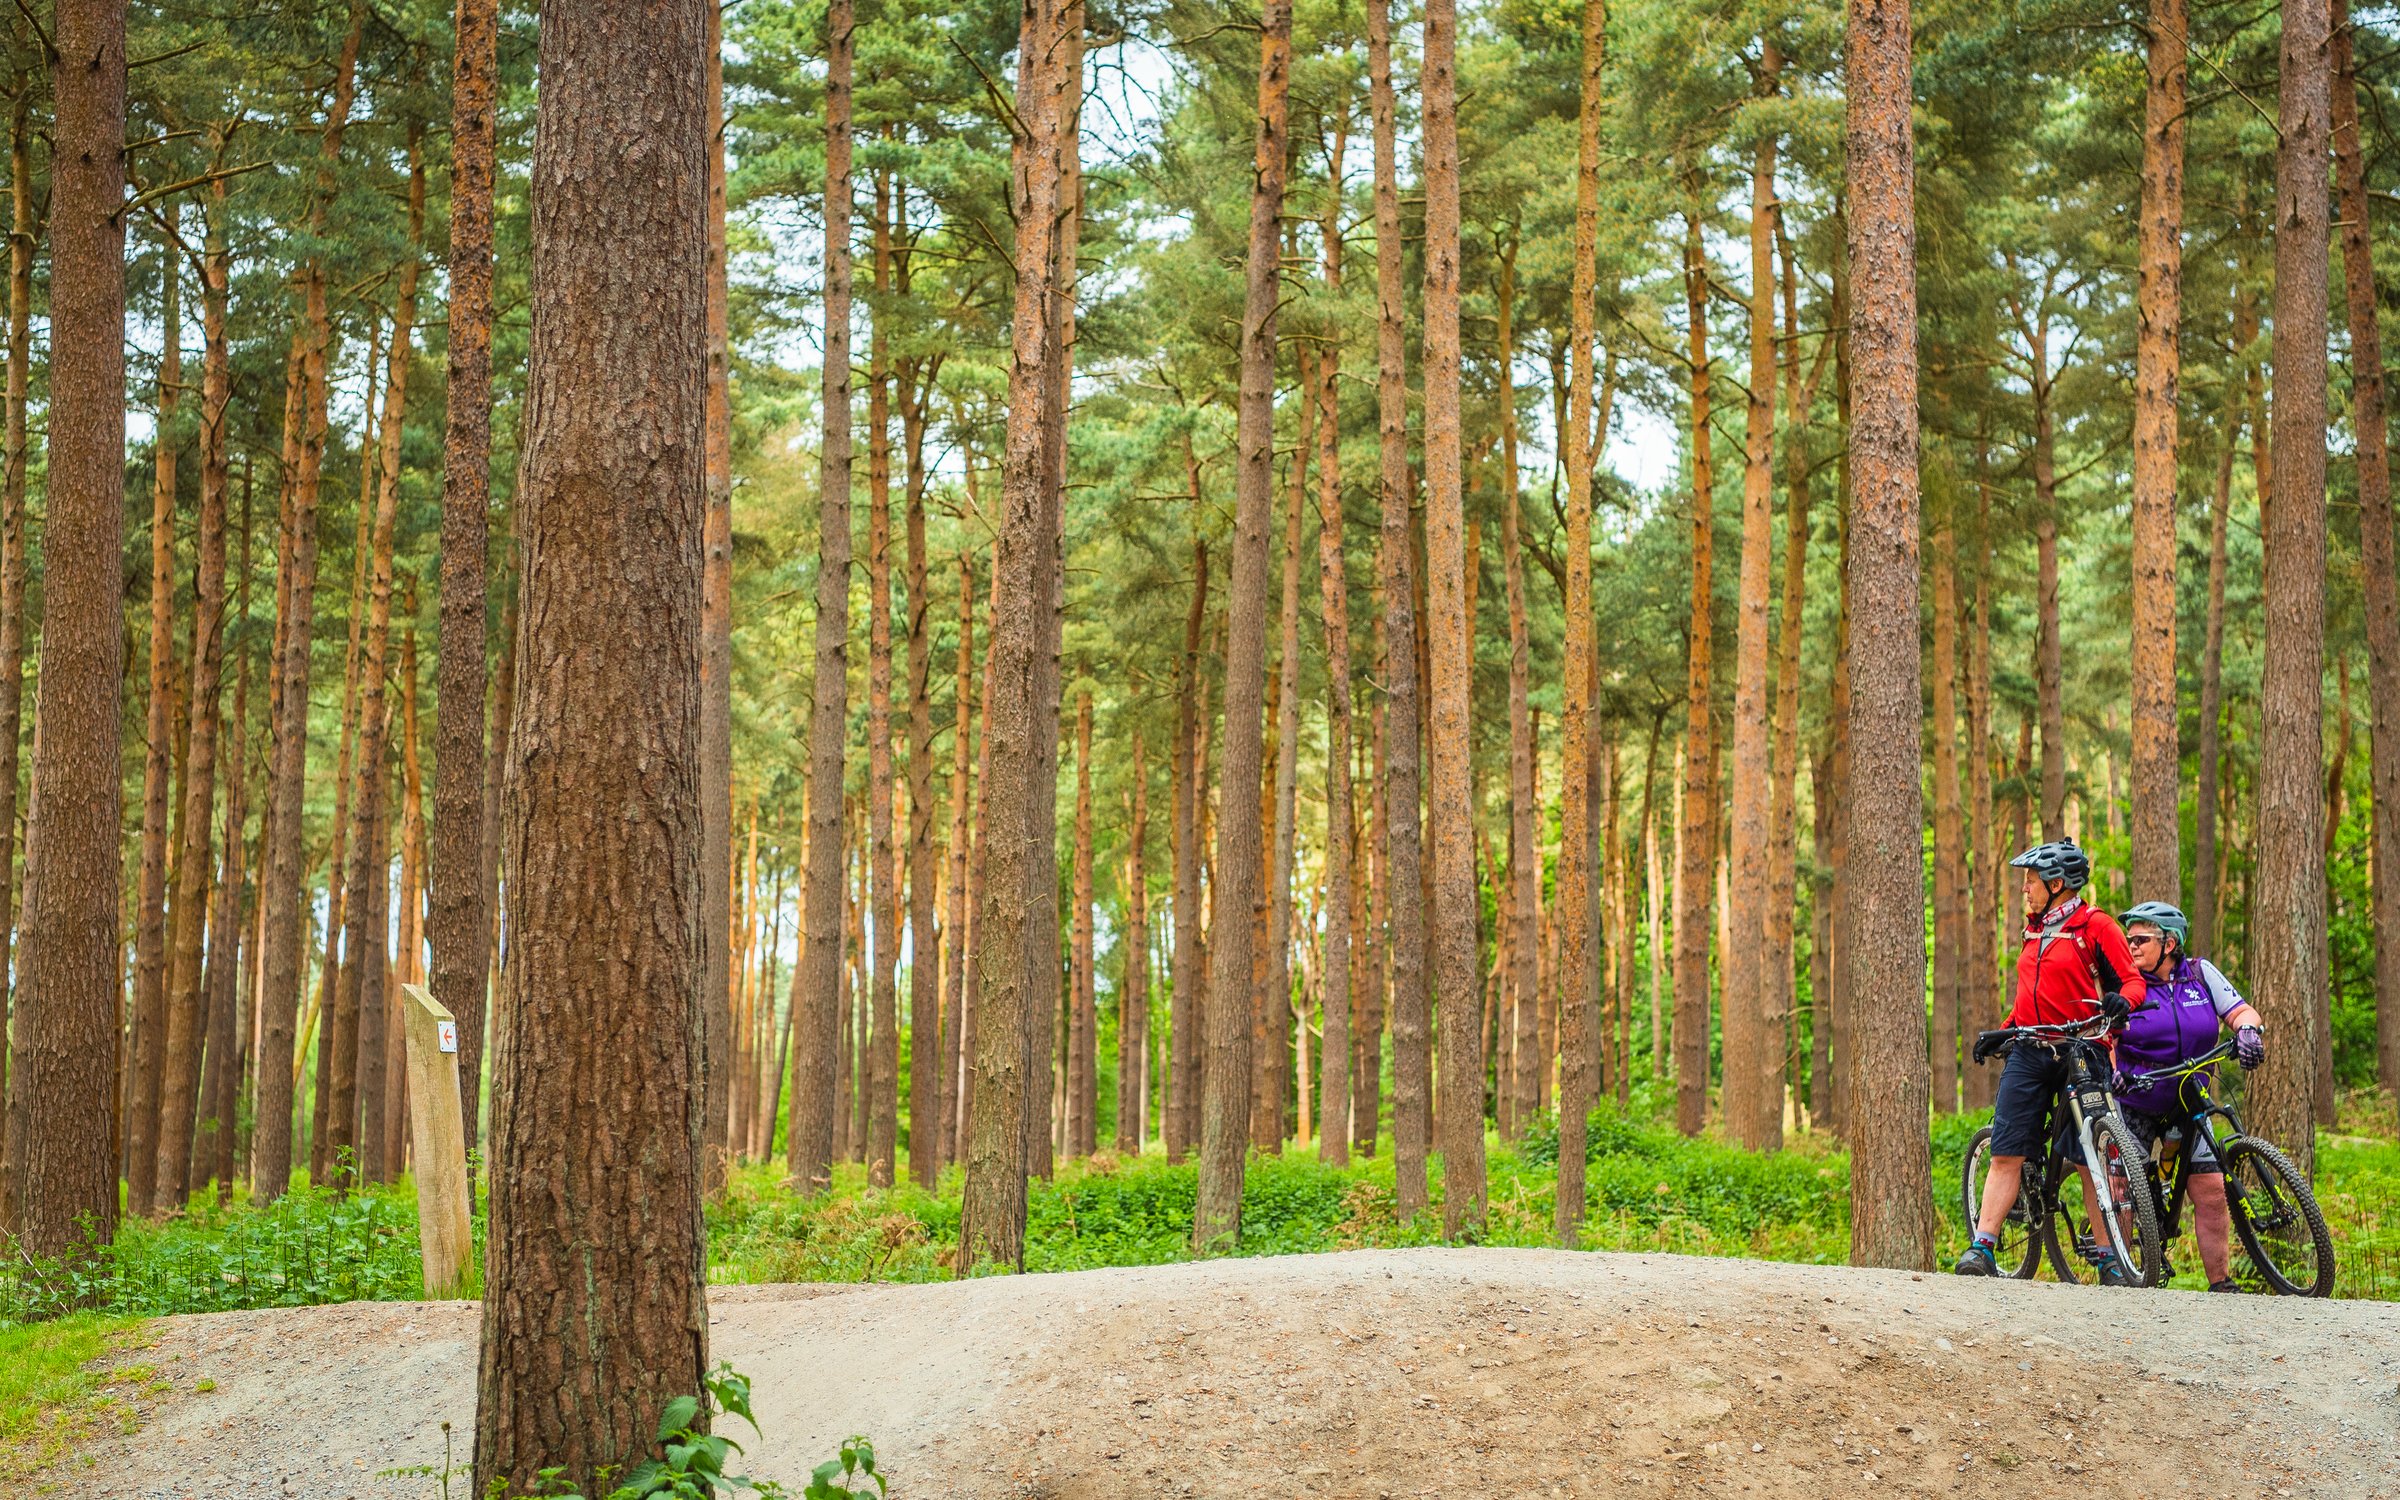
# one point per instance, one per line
(2221, 992)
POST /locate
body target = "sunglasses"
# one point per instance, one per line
(2144, 940)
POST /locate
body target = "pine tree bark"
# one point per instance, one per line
(2287, 944)
(221, 1079)
(924, 856)
(1411, 1017)
(2157, 761)
(1522, 935)
(1949, 859)
(2209, 752)
(1891, 1198)
(146, 1094)
(355, 1110)
(1979, 996)
(1753, 1104)
(1001, 1110)
(1781, 980)
(818, 1026)
(1083, 1034)
(883, 1058)
(1187, 978)
(1575, 1086)
(1696, 838)
(2380, 593)
(2047, 668)
(68, 965)
(187, 1007)
(1334, 1126)
(594, 1311)
(1133, 998)
(717, 974)
(459, 924)
(954, 916)
(1450, 808)
(24, 232)
(282, 894)
(1234, 895)
(1270, 1116)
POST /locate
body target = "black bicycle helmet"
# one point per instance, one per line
(2059, 861)
(2166, 918)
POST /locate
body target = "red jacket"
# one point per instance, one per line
(2063, 970)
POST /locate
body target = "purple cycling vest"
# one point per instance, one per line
(2178, 1020)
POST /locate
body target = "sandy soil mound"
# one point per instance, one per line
(1383, 1374)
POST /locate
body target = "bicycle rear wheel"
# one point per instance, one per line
(2019, 1252)
(2276, 1216)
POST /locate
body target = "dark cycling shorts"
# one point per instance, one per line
(2027, 1096)
(2183, 1131)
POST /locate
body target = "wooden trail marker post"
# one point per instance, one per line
(445, 1191)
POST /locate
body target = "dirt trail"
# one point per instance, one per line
(1382, 1374)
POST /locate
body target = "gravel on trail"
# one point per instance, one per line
(1375, 1374)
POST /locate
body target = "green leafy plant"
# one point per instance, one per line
(840, 1476)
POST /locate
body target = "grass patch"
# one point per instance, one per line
(50, 1398)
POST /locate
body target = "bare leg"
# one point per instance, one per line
(2212, 1225)
(1999, 1193)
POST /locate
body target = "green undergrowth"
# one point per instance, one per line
(310, 1246)
(50, 1397)
(1649, 1188)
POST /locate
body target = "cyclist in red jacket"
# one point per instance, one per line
(2075, 965)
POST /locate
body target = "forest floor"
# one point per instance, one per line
(1372, 1374)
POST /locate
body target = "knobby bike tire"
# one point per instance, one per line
(2023, 1224)
(2285, 1176)
(2149, 1257)
(2068, 1237)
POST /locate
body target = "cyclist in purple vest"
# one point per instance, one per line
(2189, 999)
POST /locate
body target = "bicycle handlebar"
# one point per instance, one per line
(2184, 1069)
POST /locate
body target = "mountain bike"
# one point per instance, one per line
(2274, 1214)
(2049, 1209)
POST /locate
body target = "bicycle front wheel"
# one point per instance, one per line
(2019, 1253)
(2133, 1230)
(2281, 1228)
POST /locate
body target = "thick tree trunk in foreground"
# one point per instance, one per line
(2376, 564)
(1575, 1084)
(2287, 927)
(1450, 806)
(1234, 893)
(459, 924)
(819, 1019)
(67, 970)
(1891, 1214)
(593, 1313)
(992, 1213)
(285, 920)
(1696, 841)
(2157, 867)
